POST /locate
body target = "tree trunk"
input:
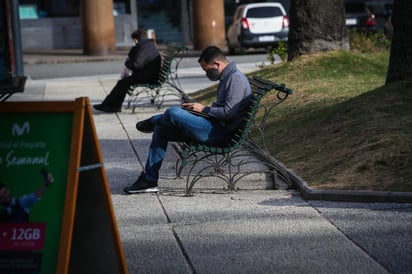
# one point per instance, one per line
(316, 26)
(400, 60)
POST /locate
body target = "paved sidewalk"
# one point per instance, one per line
(249, 231)
(259, 231)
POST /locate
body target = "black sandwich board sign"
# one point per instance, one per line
(68, 226)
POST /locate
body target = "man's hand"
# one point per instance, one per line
(47, 177)
(194, 106)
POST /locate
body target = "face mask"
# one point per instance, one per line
(213, 74)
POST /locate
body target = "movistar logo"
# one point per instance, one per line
(18, 130)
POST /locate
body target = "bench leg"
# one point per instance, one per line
(229, 167)
(215, 165)
(180, 165)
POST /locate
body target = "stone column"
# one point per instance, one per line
(208, 24)
(98, 27)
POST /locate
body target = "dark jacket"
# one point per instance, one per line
(142, 54)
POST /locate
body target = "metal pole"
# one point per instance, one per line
(17, 44)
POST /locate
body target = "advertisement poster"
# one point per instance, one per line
(34, 162)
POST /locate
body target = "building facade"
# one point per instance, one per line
(55, 24)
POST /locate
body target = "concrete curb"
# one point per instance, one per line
(348, 195)
(62, 56)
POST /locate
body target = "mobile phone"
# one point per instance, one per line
(45, 176)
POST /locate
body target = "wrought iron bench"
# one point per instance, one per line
(167, 83)
(226, 161)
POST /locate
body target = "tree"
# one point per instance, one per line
(400, 60)
(316, 26)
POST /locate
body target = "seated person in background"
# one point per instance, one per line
(177, 124)
(144, 61)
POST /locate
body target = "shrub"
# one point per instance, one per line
(368, 41)
(281, 49)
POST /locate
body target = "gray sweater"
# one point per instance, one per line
(233, 94)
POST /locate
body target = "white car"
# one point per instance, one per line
(258, 25)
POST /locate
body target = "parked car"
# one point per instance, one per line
(258, 25)
(359, 17)
(382, 10)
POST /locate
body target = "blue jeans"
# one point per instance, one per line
(178, 125)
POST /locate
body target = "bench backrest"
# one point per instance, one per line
(172, 53)
(165, 69)
(260, 88)
(242, 132)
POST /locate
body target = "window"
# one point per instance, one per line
(264, 12)
(33, 9)
(28, 12)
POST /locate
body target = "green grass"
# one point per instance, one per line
(341, 128)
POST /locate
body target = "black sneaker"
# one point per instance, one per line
(142, 186)
(145, 126)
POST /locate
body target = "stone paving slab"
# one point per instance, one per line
(240, 232)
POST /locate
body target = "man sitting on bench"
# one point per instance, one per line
(178, 124)
(144, 61)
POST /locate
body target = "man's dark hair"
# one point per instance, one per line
(139, 34)
(2, 185)
(210, 54)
